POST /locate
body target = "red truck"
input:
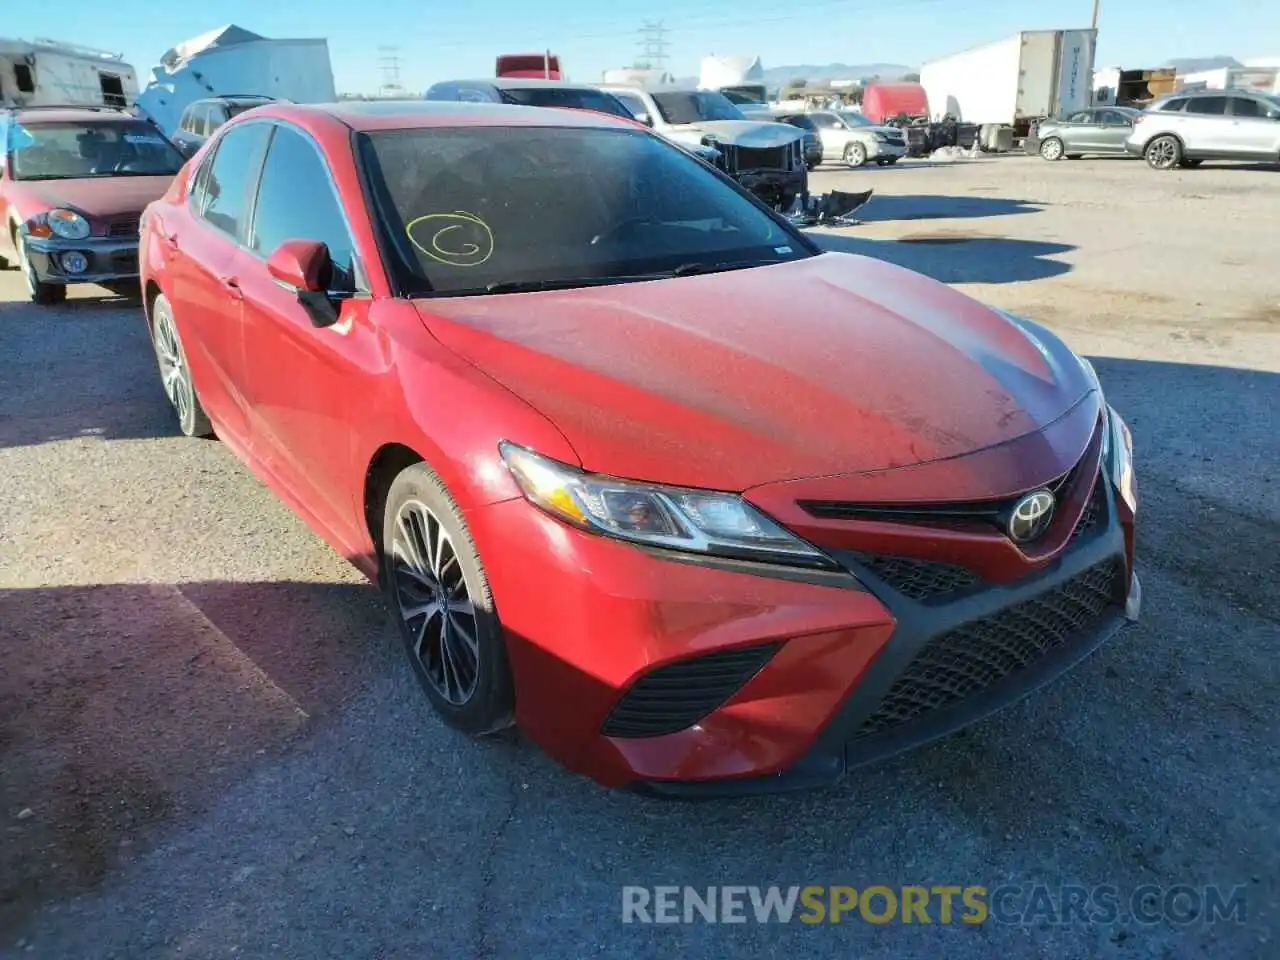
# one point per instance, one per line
(529, 66)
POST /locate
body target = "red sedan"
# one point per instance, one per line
(638, 466)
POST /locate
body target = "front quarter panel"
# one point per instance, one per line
(445, 410)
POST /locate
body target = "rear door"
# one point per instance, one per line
(302, 381)
(201, 249)
(1206, 128)
(1113, 129)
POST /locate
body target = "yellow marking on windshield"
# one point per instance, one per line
(446, 244)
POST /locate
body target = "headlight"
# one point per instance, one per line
(67, 224)
(693, 521)
(1118, 451)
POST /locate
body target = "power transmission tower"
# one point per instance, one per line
(389, 64)
(653, 46)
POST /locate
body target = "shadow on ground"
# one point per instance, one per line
(937, 207)
(954, 256)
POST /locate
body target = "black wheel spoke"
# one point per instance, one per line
(434, 602)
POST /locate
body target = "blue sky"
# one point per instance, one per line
(437, 41)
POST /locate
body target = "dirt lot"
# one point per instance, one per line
(208, 742)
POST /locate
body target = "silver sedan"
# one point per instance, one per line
(1100, 130)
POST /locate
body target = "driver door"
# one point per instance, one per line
(832, 132)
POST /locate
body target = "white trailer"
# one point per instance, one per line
(1015, 81)
(45, 73)
(232, 60)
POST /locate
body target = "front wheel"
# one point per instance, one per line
(855, 154)
(1051, 149)
(438, 591)
(1163, 153)
(44, 294)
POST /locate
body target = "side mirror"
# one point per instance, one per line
(303, 267)
(645, 118)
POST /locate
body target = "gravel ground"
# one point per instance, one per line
(210, 745)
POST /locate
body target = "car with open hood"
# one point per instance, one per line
(73, 184)
(765, 156)
(637, 465)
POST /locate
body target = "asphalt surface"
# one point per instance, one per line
(210, 746)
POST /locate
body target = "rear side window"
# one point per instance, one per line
(216, 117)
(1208, 106)
(296, 201)
(231, 177)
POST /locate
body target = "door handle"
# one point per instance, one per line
(232, 286)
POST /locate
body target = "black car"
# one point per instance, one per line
(530, 93)
(812, 140)
(202, 117)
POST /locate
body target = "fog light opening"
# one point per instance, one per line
(73, 263)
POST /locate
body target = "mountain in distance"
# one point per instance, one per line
(780, 76)
(1196, 64)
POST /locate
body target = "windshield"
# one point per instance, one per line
(583, 99)
(75, 151)
(856, 119)
(695, 105)
(465, 208)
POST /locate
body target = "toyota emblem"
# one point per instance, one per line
(1031, 516)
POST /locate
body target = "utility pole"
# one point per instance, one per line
(1094, 25)
(653, 46)
(389, 64)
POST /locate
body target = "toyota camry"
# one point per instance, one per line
(639, 467)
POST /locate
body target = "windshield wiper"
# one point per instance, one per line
(690, 269)
(533, 286)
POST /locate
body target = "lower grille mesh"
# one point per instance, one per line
(675, 697)
(967, 660)
(920, 579)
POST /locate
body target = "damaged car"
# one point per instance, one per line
(765, 157)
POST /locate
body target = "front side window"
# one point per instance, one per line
(856, 119)
(695, 106)
(1247, 107)
(632, 102)
(231, 176)
(77, 151)
(296, 201)
(467, 208)
(825, 121)
(1083, 116)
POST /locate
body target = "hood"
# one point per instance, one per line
(754, 134)
(98, 198)
(833, 364)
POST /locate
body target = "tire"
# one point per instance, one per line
(1052, 149)
(855, 154)
(1190, 164)
(175, 372)
(43, 294)
(890, 161)
(1163, 152)
(476, 696)
(1074, 156)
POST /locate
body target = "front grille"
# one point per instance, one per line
(126, 227)
(920, 579)
(965, 661)
(675, 697)
(741, 159)
(1094, 513)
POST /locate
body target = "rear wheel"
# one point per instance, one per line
(1163, 153)
(175, 374)
(1051, 149)
(438, 591)
(855, 154)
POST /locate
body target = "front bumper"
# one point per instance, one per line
(108, 259)
(879, 149)
(802, 678)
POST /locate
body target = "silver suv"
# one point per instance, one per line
(1185, 129)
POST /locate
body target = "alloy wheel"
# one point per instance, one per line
(435, 603)
(173, 368)
(1163, 153)
(1051, 150)
(855, 155)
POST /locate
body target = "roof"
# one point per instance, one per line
(402, 114)
(237, 98)
(524, 83)
(657, 88)
(28, 115)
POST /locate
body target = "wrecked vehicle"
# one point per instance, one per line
(765, 157)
